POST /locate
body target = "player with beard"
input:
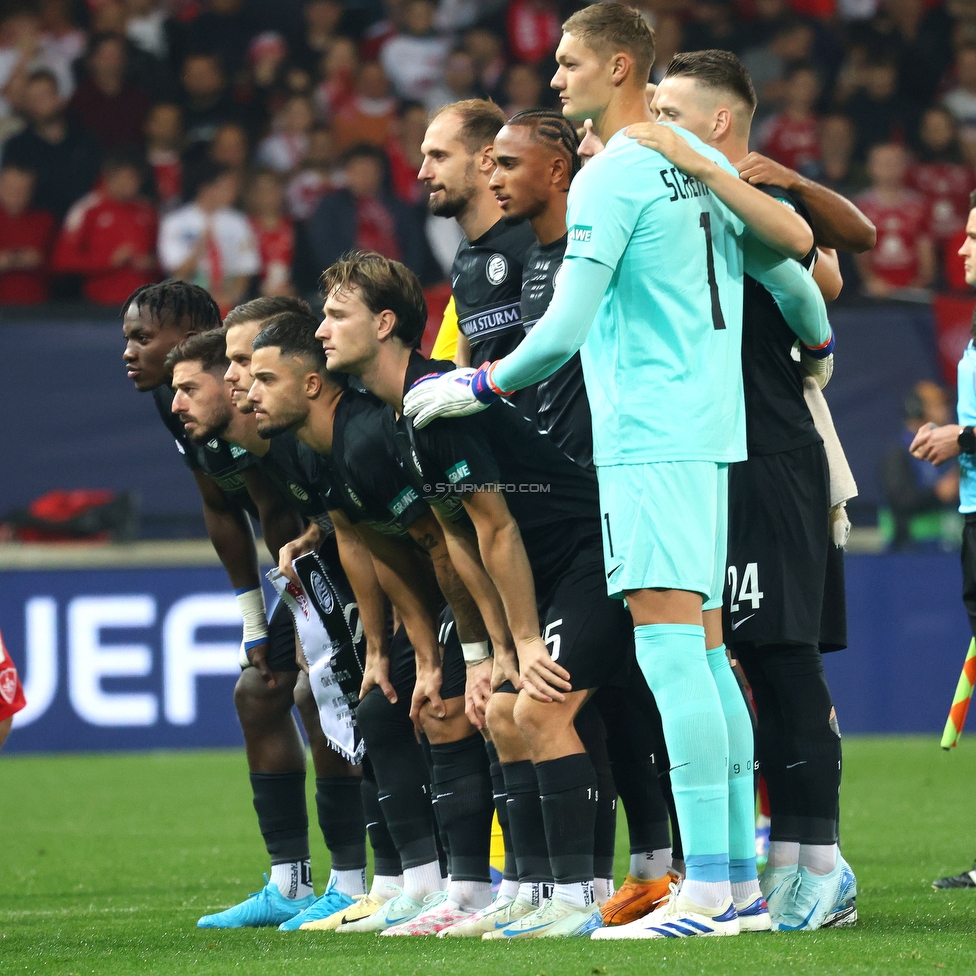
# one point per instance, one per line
(156, 319)
(516, 487)
(405, 685)
(663, 372)
(203, 404)
(785, 585)
(535, 156)
(486, 276)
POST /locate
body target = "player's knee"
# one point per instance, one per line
(452, 726)
(256, 700)
(500, 719)
(536, 721)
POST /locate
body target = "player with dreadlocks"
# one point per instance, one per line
(536, 157)
(156, 319)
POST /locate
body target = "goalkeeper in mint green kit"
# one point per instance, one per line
(651, 295)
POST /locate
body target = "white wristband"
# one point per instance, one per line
(251, 604)
(475, 652)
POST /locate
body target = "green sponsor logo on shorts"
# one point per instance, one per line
(580, 233)
(403, 501)
(459, 471)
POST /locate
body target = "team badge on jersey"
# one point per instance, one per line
(496, 269)
(213, 445)
(8, 685)
(298, 491)
(322, 591)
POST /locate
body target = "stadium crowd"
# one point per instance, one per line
(245, 146)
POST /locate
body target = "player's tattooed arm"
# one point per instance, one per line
(373, 605)
(232, 537)
(837, 223)
(506, 561)
(412, 589)
(280, 522)
(782, 229)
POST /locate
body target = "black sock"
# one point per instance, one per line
(499, 794)
(279, 800)
(593, 734)
(462, 794)
(386, 858)
(339, 801)
(440, 837)
(569, 801)
(526, 822)
(402, 778)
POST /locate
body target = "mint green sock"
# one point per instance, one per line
(742, 796)
(672, 658)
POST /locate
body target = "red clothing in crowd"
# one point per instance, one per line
(376, 229)
(895, 256)
(533, 28)
(94, 230)
(116, 120)
(945, 187)
(277, 249)
(167, 176)
(791, 141)
(32, 230)
(954, 269)
(403, 174)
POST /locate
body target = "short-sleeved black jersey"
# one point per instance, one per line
(293, 468)
(777, 417)
(486, 281)
(218, 460)
(554, 501)
(368, 480)
(561, 405)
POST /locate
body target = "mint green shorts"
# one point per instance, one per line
(665, 526)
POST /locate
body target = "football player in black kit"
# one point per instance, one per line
(784, 601)
(535, 157)
(486, 277)
(156, 319)
(404, 685)
(536, 518)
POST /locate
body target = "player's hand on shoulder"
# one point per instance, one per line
(676, 149)
(442, 395)
(756, 168)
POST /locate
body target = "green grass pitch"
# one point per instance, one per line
(107, 862)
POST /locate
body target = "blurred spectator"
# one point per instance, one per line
(533, 29)
(314, 177)
(149, 27)
(370, 114)
(224, 28)
(109, 236)
(62, 153)
(919, 493)
(903, 256)
(338, 86)
(668, 41)
(414, 58)
(207, 102)
(767, 63)
(60, 43)
(230, 147)
(286, 147)
(321, 20)
(770, 18)
(403, 152)
(459, 83)
(106, 102)
(837, 140)
(363, 215)
(164, 139)
(940, 174)
(792, 137)
(265, 84)
(26, 237)
(273, 230)
(961, 100)
(485, 49)
(710, 24)
(523, 89)
(878, 112)
(208, 242)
